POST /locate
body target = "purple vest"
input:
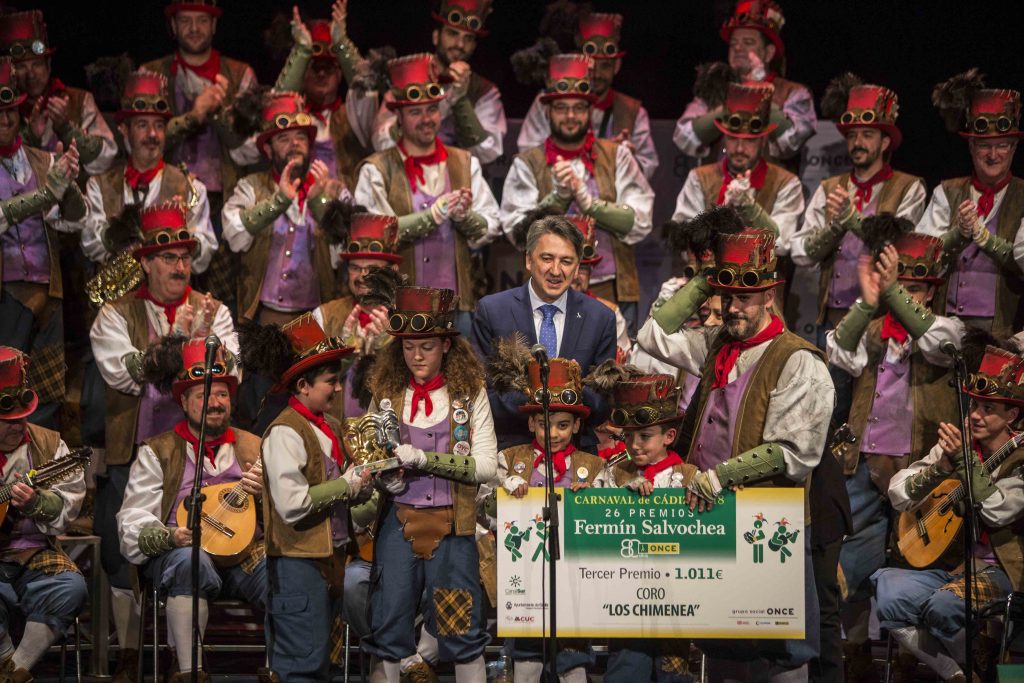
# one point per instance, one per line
(891, 420)
(972, 286)
(26, 255)
(605, 269)
(538, 478)
(845, 286)
(435, 253)
(158, 413)
(690, 383)
(200, 152)
(715, 431)
(24, 534)
(351, 405)
(289, 283)
(231, 474)
(339, 513)
(426, 490)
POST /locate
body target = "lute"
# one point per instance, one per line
(47, 475)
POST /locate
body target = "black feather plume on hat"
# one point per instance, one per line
(603, 377)
(703, 229)
(124, 229)
(972, 346)
(383, 284)
(360, 373)
(162, 362)
(712, 82)
(522, 228)
(530, 65)
(264, 349)
(337, 220)
(883, 229)
(952, 97)
(837, 94)
(561, 22)
(247, 112)
(508, 364)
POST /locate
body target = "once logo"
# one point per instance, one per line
(781, 611)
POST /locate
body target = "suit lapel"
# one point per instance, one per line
(574, 320)
(522, 314)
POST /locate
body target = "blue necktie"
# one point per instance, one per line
(548, 337)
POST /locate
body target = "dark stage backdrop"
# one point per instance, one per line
(907, 45)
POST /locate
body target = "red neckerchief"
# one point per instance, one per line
(318, 110)
(605, 453)
(3, 456)
(892, 329)
(208, 70)
(422, 392)
(210, 445)
(303, 192)
(557, 460)
(171, 309)
(364, 319)
(584, 152)
(134, 177)
(55, 88)
(863, 194)
(988, 193)
(651, 471)
(758, 175)
(414, 164)
(605, 103)
(8, 151)
(730, 351)
(320, 423)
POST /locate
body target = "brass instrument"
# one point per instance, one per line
(193, 195)
(118, 276)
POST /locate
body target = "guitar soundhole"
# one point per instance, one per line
(238, 502)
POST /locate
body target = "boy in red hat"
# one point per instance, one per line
(162, 476)
(36, 577)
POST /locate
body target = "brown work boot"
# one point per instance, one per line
(9, 674)
(904, 669)
(127, 666)
(858, 664)
(186, 677)
(420, 672)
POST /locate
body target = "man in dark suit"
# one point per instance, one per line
(545, 309)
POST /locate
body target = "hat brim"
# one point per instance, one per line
(374, 255)
(997, 399)
(768, 130)
(265, 136)
(578, 410)
(48, 52)
(176, 7)
(748, 290)
(425, 335)
(307, 364)
(1014, 134)
(181, 386)
(482, 32)
(889, 129)
(591, 261)
(190, 245)
(22, 412)
(667, 420)
(121, 116)
(16, 102)
(551, 97)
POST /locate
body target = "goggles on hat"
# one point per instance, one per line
(470, 21)
(690, 271)
(592, 49)
(919, 270)
(10, 401)
(865, 116)
(141, 104)
(572, 85)
(199, 371)
(589, 251)
(18, 50)
(7, 95)
(320, 49)
(731, 277)
(373, 246)
(754, 123)
(566, 397)
(168, 236)
(982, 385)
(418, 322)
(643, 415)
(415, 92)
(986, 124)
(288, 120)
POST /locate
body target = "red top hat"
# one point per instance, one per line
(164, 227)
(585, 224)
(568, 76)
(999, 378)
(208, 6)
(464, 15)
(746, 261)
(193, 370)
(145, 94)
(16, 399)
(320, 32)
(414, 81)
(373, 236)
(423, 312)
(23, 36)
(872, 106)
(920, 257)
(10, 95)
(761, 15)
(645, 401)
(310, 347)
(993, 114)
(748, 109)
(565, 385)
(600, 36)
(284, 111)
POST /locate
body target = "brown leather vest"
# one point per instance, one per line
(392, 169)
(624, 112)
(627, 284)
(1008, 541)
(710, 178)
(122, 415)
(934, 400)
(627, 471)
(39, 162)
(43, 444)
(172, 183)
(252, 263)
(889, 199)
(523, 455)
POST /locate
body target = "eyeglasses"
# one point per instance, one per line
(418, 322)
(591, 48)
(919, 270)
(199, 371)
(172, 259)
(415, 92)
(359, 270)
(288, 120)
(564, 108)
(472, 22)
(750, 277)
(35, 48)
(566, 397)
(1001, 147)
(754, 123)
(982, 124)
(9, 402)
(570, 85)
(373, 246)
(643, 416)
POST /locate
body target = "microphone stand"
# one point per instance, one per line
(550, 514)
(969, 514)
(194, 503)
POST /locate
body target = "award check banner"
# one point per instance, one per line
(651, 568)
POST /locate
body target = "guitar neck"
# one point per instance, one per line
(991, 464)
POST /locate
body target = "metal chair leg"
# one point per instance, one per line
(140, 644)
(1004, 642)
(63, 656)
(78, 651)
(156, 635)
(348, 635)
(888, 657)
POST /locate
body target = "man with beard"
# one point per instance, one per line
(737, 440)
(981, 217)
(124, 329)
(143, 180)
(272, 220)
(163, 475)
(444, 206)
(575, 173)
(765, 195)
(756, 53)
(472, 116)
(38, 200)
(53, 111)
(831, 235)
(615, 116)
(204, 84)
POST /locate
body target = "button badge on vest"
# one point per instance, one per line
(461, 448)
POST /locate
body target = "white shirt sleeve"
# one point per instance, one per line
(202, 228)
(852, 362)
(371, 191)
(535, 128)
(684, 137)
(912, 205)
(361, 110)
(141, 505)
(944, 329)
(814, 218)
(484, 204)
(686, 349)
(799, 409)
(491, 113)
(93, 123)
(1006, 504)
(789, 206)
(94, 223)
(242, 197)
(640, 136)
(284, 456)
(71, 490)
(110, 344)
(937, 217)
(633, 190)
(799, 108)
(385, 125)
(485, 444)
(690, 200)
(519, 195)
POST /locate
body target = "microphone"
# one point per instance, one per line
(949, 348)
(212, 344)
(540, 354)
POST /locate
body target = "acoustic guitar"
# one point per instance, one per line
(927, 530)
(47, 475)
(228, 521)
